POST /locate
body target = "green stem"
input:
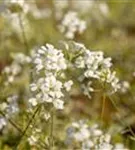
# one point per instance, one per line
(117, 108)
(103, 106)
(11, 122)
(51, 131)
(25, 130)
(23, 33)
(19, 129)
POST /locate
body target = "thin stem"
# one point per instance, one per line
(129, 127)
(11, 122)
(23, 33)
(29, 123)
(51, 131)
(103, 106)
(19, 129)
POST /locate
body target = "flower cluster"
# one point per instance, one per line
(72, 24)
(49, 59)
(11, 71)
(32, 8)
(9, 108)
(96, 66)
(90, 137)
(47, 86)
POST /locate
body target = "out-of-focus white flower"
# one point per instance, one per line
(68, 85)
(58, 104)
(16, 22)
(32, 140)
(12, 70)
(16, 67)
(103, 7)
(33, 101)
(33, 87)
(3, 122)
(124, 86)
(90, 137)
(81, 131)
(3, 106)
(95, 131)
(87, 145)
(82, 134)
(10, 107)
(104, 143)
(72, 24)
(21, 58)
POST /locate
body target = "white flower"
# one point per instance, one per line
(72, 24)
(21, 58)
(96, 66)
(49, 58)
(95, 131)
(104, 8)
(47, 89)
(12, 105)
(10, 79)
(104, 142)
(110, 77)
(32, 140)
(33, 101)
(48, 63)
(68, 85)
(58, 104)
(90, 137)
(124, 86)
(82, 134)
(87, 89)
(80, 62)
(33, 87)
(3, 122)
(15, 68)
(3, 106)
(86, 145)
